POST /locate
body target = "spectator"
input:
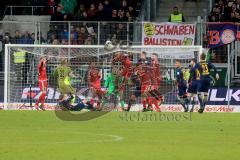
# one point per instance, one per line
(107, 9)
(121, 33)
(51, 5)
(114, 39)
(238, 4)
(55, 42)
(40, 39)
(33, 37)
(100, 12)
(114, 15)
(16, 38)
(68, 6)
(138, 7)
(89, 40)
(129, 17)
(51, 32)
(79, 15)
(26, 39)
(221, 6)
(121, 16)
(91, 13)
(6, 39)
(215, 15)
(124, 6)
(82, 35)
(58, 16)
(234, 17)
(176, 16)
(74, 30)
(228, 13)
(52, 38)
(64, 42)
(73, 39)
(104, 32)
(64, 34)
(132, 11)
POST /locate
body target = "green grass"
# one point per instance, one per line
(33, 135)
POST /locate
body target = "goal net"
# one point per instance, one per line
(21, 72)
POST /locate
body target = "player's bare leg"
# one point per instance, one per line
(156, 98)
(192, 100)
(203, 102)
(41, 98)
(144, 102)
(183, 101)
(200, 98)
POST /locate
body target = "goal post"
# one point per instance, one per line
(21, 75)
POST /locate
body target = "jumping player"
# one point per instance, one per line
(124, 82)
(181, 86)
(143, 59)
(193, 83)
(64, 74)
(204, 67)
(155, 97)
(94, 81)
(142, 70)
(42, 82)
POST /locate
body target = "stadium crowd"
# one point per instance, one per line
(81, 33)
(225, 11)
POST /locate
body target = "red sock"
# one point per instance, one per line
(42, 98)
(37, 103)
(144, 102)
(92, 101)
(155, 102)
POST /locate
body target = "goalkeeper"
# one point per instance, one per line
(112, 91)
(63, 73)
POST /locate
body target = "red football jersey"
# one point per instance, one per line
(156, 74)
(144, 74)
(94, 78)
(42, 72)
(127, 67)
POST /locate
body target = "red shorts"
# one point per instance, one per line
(155, 87)
(43, 85)
(151, 100)
(96, 85)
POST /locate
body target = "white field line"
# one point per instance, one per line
(112, 138)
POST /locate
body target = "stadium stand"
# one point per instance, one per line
(63, 11)
(225, 11)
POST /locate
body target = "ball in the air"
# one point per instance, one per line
(109, 46)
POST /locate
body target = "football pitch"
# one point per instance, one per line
(36, 135)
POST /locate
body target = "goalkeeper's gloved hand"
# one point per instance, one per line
(217, 76)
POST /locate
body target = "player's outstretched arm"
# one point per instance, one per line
(72, 75)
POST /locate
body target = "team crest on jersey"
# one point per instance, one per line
(228, 36)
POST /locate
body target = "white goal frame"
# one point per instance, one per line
(8, 46)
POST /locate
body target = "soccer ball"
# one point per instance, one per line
(108, 46)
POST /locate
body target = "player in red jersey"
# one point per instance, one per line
(125, 62)
(142, 70)
(42, 82)
(94, 81)
(126, 71)
(155, 72)
(155, 96)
